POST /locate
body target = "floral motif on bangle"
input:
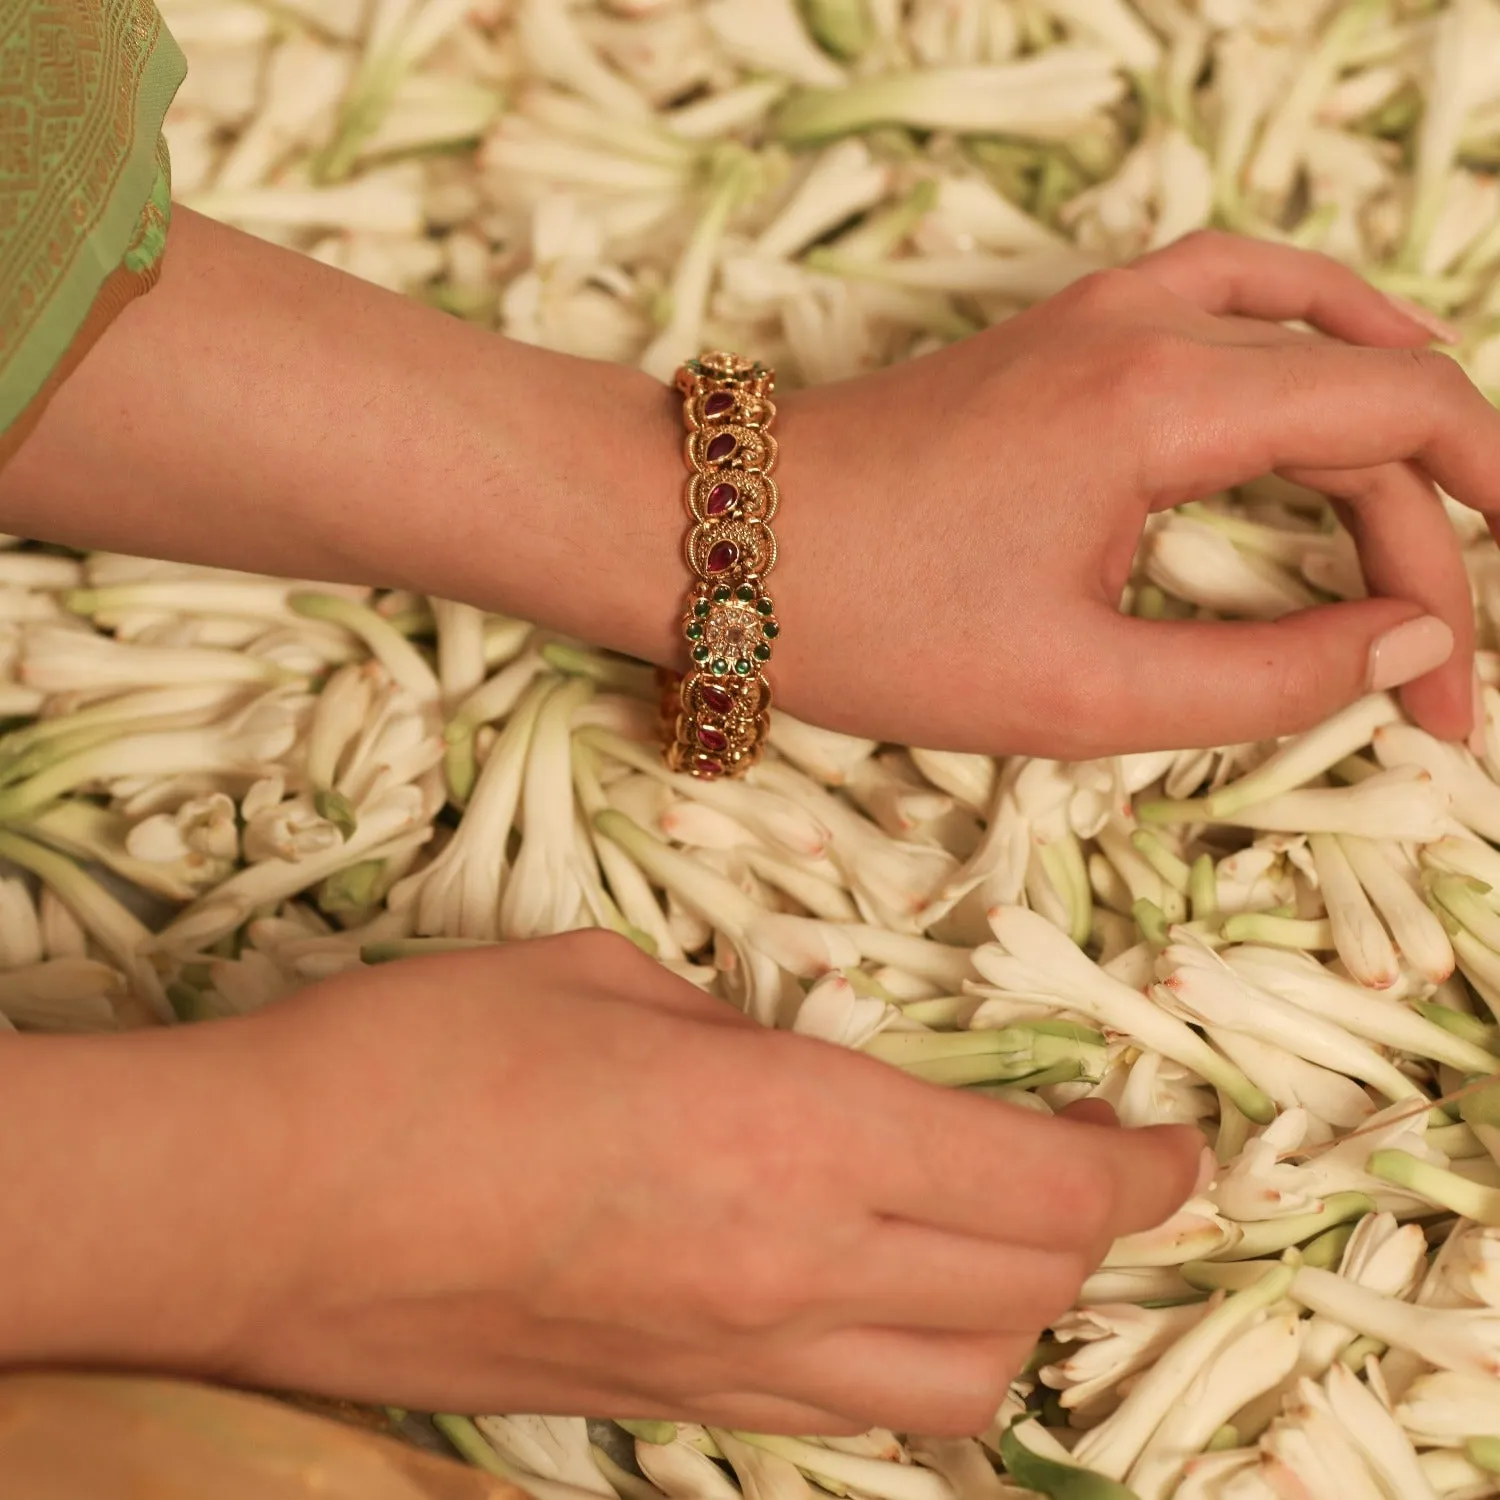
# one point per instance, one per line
(730, 630)
(732, 497)
(732, 447)
(729, 552)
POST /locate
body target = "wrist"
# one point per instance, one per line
(142, 1202)
(620, 518)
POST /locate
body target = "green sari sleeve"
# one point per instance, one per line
(85, 184)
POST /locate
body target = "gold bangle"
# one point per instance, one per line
(717, 715)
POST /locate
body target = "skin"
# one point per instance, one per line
(552, 1176)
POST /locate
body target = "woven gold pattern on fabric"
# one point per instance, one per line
(70, 73)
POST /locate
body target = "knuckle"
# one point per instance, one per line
(1092, 1198)
(604, 954)
(1155, 361)
(1201, 244)
(751, 1294)
(759, 1308)
(1101, 291)
(1304, 687)
(1435, 368)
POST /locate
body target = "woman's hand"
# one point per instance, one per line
(555, 1177)
(957, 531)
(955, 534)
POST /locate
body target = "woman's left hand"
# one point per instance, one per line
(956, 531)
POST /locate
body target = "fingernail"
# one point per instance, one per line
(1476, 734)
(1440, 328)
(1409, 651)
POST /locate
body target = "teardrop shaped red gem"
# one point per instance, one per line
(709, 766)
(715, 697)
(721, 499)
(721, 447)
(713, 739)
(721, 557)
(717, 404)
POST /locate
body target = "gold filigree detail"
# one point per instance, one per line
(716, 717)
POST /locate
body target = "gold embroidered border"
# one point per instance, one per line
(83, 91)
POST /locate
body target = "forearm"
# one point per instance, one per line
(260, 411)
(145, 1197)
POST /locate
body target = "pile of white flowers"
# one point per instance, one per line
(218, 787)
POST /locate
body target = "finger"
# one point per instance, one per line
(1409, 550)
(1029, 1181)
(1090, 1112)
(1181, 684)
(942, 1385)
(616, 969)
(1324, 405)
(1224, 273)
(923, 1280)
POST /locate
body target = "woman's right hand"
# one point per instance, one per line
(554, 1177)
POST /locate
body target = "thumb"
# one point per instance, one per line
(1090, 1112)
(1185, 685)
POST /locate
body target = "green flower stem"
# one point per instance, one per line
(940, 1011)
(473, 1446)
(1115, 1445)
(1478, 1033)
(1461, 897)
(490, 701)
(614, 674)
(1326, 1251)
(962, 1072)
(1484, 1453)
(1203, 888)
(1278, 932)
(390, 648)
(1266, 1237)
(118, 931)
(1438, 1185)
(1154, 851)
(1020, 1041)
(842, 28)
(85, 831)
(1353, 1355)
(1152, 921)
(1045, 1474)
(395, 949)
(36, 746)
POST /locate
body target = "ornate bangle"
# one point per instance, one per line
(717, 715)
